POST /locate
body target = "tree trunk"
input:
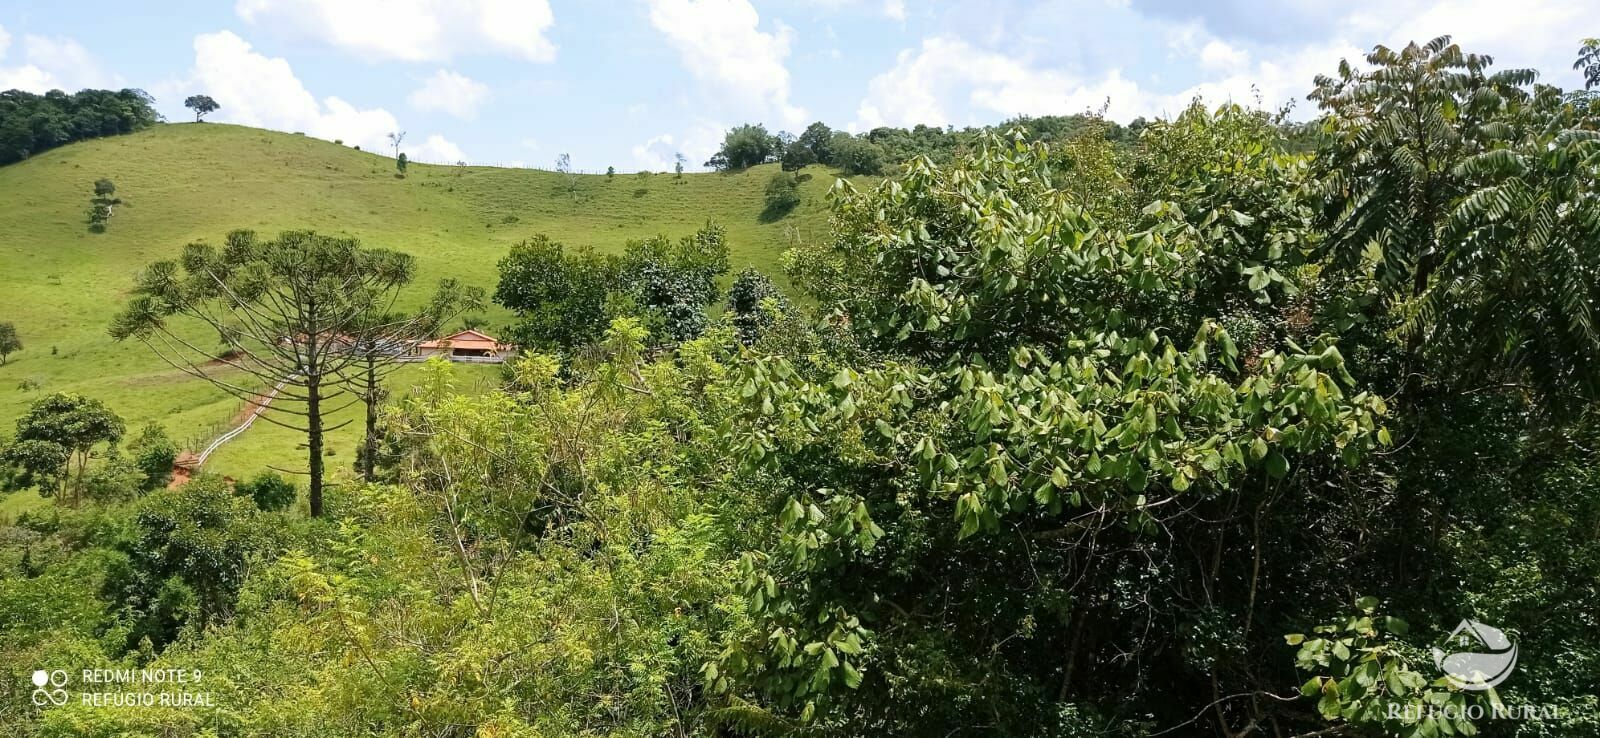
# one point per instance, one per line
(369, 463)
(314, 441)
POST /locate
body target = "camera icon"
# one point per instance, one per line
(43, 679)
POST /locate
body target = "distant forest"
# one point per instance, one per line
(31, 124)
(880, 150)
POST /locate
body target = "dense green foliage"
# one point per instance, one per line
(565, 301)
(55, 439)
(269, 491)
(880, 150)
(746, 146)
(1193, 434)
(559, 296)
(154, 454)
(754, 305)
(31, 124)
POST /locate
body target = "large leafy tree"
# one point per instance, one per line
(282, 312)
(1397, 133)
(812, 146)
(58, 434)
(746, 146)
(1459, 212)
(565, 300)
(1038, 398)
(559, 296)
(670, 284)
(1519, 270)
(202, 105)
(191, 550)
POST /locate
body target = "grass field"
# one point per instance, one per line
(181, 183)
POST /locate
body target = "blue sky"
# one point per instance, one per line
(630, 83)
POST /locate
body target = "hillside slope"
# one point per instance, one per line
(60, 284)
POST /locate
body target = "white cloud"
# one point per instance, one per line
(27, 78)
(415, 30)
(257, 90)
(926, 83)
(655, 154)
(658, 153)
(1538, 33)
(449, 92)
(948, 79)
(436, 150)
(1543, 34)
(1271, 82)
(722, 45)
(50, 64)
(892, 9)
(1217, 54)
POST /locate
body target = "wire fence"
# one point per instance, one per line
(535, 167)
(518, 164)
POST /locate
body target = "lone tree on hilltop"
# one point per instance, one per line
(10, 342)
(285, 310)
(202, 105)
(744, 147)
(564, 166)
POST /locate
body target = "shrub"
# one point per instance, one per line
(745, 303)
(154, 454)
(117, 480)
(269, 491)
(783, 195)
(192, 549)
(857, 156)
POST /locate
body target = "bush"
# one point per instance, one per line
(117, 480)
(269, 491)
(559, 295)
(154, 454)
(783, 196)
(856, 156)
(191, 551)
(744, 147)
(745, 304)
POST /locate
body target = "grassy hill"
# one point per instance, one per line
(180, 183)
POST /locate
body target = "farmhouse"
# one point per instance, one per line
(467, 346)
